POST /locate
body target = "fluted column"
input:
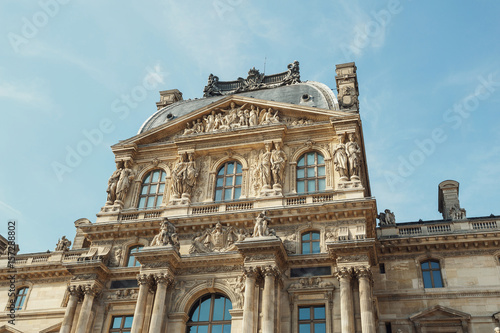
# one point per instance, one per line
(69, 315)
(140, 306)
(162, 281)
(346, 305)
(365, 299)
(268, 302)
(248, 305)
(89, 292)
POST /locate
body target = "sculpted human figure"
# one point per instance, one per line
(340, 160)
(178, 176)
(354, 156)
(190, 176)
(189, 129)
(261, 225)
(265, 167)
(253, 119)
(209, 122)
(63, 244)
(278, 160)
(112, 182)
(166, 236)
(126, 177)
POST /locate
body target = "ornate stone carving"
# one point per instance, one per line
(311, 282)
(162, 278)
(340, 160)
(83, 277)
(116, 257)
(261, 228)
(265, 168)
(354, 156)
(290, 243)
(344, 273)
(210, 269)
(112, 183)
(123, 184)
(239, 288)
(217, 239)
(457, 213)
(347, 97)
(255, 80)
(387, 218)
(89, 289)
(166, 236)
(125, 294)
(363, 272)
(63, 244)
(278, 160)
(184, 177)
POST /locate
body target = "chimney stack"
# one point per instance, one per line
(449, 204)
(168, 97)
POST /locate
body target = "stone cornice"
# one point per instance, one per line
(263, 251)
(365, 247)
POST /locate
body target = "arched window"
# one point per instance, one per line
(132, 261)
(431, 273)
(228, 182)
(311, 176)
(210, 314)
(20, 298)
(152, 189)
(310, 242)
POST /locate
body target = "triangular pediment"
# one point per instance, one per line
(9, 329)
(439, 313)
(52, 329)
(236, 113)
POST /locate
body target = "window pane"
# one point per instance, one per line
(306, 236)
(310, 158)
(227, 329)
(427, 279)
(230, 168)
(315, 235)
(159, 200)
(319, 312)
(216, 328)
(300, 163)
(238, 168)
(162, 188)
(321, 184)
(311, 172)
(304, 313)
(320, 328)
(163, 176)
(142, 202)
(117, 322)
(229, 306)
(144, 190)
(128, 322)
(237, 193)
(205, 309)
(238, 180)
(306, 248)
(227, 194)
(434, 265)
(221, 172)
(152, 189)
(148, 178)
(156, 176)
(220, 182)
(300, 173)
(218, 195)
(425, 265)
(203, 329)
(150, 203)
(229, 181)
(300, 187)
(438, 283)
(218, 309)
(321, 171)
(196, 312)
(321, 160)
(304, 328)
(315, 246)
(311, 186)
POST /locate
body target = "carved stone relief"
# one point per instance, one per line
(217, 239)
(184, 178)
(311, 282)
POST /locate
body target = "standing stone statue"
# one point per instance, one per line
(265, 167)
(166, 236)
(354, 156)
(340, 160)
(261, 225)
(126, 177)
(112, 182)
(253, 119)
(63, 244)
(190, 176)
(278, 160)
(178, 175)
(387, 218)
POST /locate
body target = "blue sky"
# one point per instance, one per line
(429, 78)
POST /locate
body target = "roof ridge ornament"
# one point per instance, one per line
(254, 81)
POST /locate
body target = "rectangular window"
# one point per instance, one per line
(382, 268)
(312, 319)
(121, 324)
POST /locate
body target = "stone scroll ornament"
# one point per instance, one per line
(347, 158)
(217, 239)
(184, 176)
(234, 117)
(167, 236)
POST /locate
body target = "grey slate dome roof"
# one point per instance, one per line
(310, 93)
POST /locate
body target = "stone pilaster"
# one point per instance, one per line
(157, 318)
(140, 307)
(346, 303)
(248, 305)
(69, 315)
(268, 299)
(90, 292)
(365, 299)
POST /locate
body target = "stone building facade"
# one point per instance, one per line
(250, 210)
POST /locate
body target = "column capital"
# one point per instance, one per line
(163, 278)
(344, 273)
(143, 279)
(74, 290)
(363, 272)
(250, 272)
(89, 289)
(270, 271)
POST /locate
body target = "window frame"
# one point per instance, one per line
(162, 180)
(310, 241)
(130, 253)
(225, 176)
(311, 321)
(195, 307)
(121, 328)
(431, 271)
(24, 298)
(306, 179)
